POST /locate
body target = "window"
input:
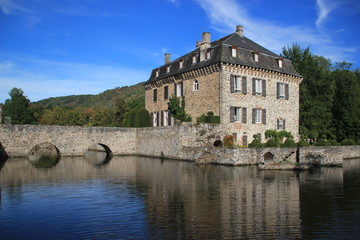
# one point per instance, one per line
(168, 68)
(157, 73)
(280, 62)
(235, 137)
(244, 140)
(194, 59)
(181, 64)
(238, 114)
(234, 51)
(178, 89)
(196, 85)
(280, 125)
(238, 84)
(167, 118)
(258, 116)
(166, 92)
(256, 56)
(208, 54)
(259, 87)
(155, 118)
(282, 90)
(155, 95)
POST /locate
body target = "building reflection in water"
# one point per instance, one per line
(185, 200)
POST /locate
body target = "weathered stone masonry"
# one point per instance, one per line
(183, 142)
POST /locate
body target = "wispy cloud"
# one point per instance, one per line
(64, 78)
(226, 14)
(324, 9)
(9, 7)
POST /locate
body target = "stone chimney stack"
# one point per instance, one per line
(167, 58)
(240, 30)
(205, 37)
(198, 43)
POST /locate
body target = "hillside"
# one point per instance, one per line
(104, 99)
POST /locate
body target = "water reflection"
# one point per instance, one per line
(98, 154)
(151, 199)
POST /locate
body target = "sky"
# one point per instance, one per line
(52, 48)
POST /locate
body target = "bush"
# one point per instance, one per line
(303, 143)
(255, 142)
(289, 143)
(333, 142)
(347, 142)
(228, 141)
(322, 142)
(209, 118)
(271, 143)
(142, 118)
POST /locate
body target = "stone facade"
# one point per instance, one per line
(249, 87)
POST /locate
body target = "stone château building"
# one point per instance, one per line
(251, 88)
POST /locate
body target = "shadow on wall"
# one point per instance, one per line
(3, 154)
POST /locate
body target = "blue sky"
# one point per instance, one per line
(52, 48)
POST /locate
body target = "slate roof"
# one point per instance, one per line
(221, 52)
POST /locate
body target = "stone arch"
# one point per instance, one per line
(98, 154)
(3, 153)
(44, 155)
(268, 157)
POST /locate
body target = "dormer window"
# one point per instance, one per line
(168, 68)
(208, 54)
(181, 64)
(194, 58)
(157, 73)
(256, 56)
(280, 62)
(234, 51)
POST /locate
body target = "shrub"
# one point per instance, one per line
(142, 118)
(271, 143)
(255, 142)
(303, 143)
(322, 142)
(209, 118)
(347, 142)
(289, 143)
(333, 142)
(228, 141)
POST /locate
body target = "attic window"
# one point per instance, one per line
(256, 56)
(234, 51)
(280, 62)
(208, 54)
(181, 64)
(194, 58)
(157, 73)
(168, 68)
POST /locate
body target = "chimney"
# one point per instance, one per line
(205, 37)
(167, 58)
(239, 30)
(198, 43)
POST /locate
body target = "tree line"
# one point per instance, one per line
(329, 103)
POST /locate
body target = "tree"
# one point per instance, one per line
(316, 90)
(18, 107)
(120, 110)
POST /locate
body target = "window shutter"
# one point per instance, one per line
(151, 119)
(244, 114)
(235, 137)
(162, 118)
(155, 95)
(253, 115)
(287, 91)
(263, 85)
(244, 85)
(169, 118)
(284, 124)
(157, 119)
(166, 92)
(232, 88)
(175, 90)
(232, 114)
(253, 87)
(277, 90)
(181, 87)
(264, 116)
(277, 124)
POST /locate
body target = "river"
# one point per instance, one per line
(147, 198)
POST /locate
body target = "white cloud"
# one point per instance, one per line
(324, 9)
(226, 14)
(45, 79)
(10, 7)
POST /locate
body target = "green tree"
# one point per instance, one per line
(346, 108)
(18, 107)
(142, 118)
(316, 91)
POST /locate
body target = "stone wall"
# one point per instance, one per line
(183, 142)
